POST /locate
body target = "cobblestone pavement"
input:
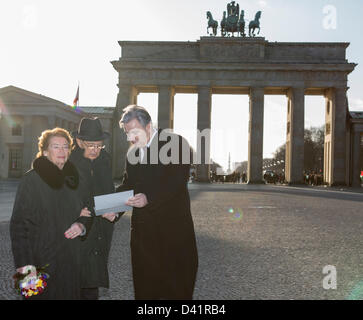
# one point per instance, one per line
(7, 197)
(254, 242)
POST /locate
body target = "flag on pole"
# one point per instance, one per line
(76, 101)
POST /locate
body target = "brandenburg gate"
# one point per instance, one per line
(242, 65)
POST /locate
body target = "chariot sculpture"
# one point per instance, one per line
(233, 21)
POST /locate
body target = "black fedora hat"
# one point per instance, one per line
(90, 129)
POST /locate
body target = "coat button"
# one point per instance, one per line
(96, 253)
(99, 238)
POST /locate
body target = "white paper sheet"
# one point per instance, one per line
(113, 202)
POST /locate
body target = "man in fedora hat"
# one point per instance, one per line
(94, 167)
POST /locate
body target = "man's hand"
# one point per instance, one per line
(110, 216)
(74, 231)
(85, 212)
(137, 201)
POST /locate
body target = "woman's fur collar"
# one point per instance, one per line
(53, 176)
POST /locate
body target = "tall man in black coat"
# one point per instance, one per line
(163, 246)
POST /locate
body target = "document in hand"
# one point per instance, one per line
(113, 202)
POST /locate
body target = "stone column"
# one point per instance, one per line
(58, 122)
(166, 107)
(335, 137)
(356, 160)
(294, 158)
(204, 127)
(70, 126)
(127, 95)
(29, 140)
(52, 123)
(255, 135)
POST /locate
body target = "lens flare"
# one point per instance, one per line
(5, 114)
(237, 214)
(76, 108)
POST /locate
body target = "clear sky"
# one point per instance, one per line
(47, 46)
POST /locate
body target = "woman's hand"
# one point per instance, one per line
(138, 201)
(74, 231)
(85, 212)
(32, 274)
(26, 269)
(110, 216)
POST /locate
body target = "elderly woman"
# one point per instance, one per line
(48, 218)
(95, 178)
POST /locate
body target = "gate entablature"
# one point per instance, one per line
(233, 62)
(234, 49)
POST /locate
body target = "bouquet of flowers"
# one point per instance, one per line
(32, 282)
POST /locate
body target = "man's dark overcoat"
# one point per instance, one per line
(163, 246)
(95, 178)
(46, 205)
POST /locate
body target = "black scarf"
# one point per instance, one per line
(53, 176)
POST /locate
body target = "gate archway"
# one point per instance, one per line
(250, 66)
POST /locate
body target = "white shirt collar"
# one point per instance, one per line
(152, 137)
(148, 144)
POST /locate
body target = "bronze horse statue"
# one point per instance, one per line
(241, 24)
(254, 24)
(212, 23)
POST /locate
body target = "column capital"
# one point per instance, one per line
(168, 88)
(205, 89)
(125, 86)
(296, 89)
(334, 90)
(257, 89)
(164, 86)
(344, 88)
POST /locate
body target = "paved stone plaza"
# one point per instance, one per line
(254, 242)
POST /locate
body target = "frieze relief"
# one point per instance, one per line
(230, 52)
(160, 52)
(188, 75)
(309, 52)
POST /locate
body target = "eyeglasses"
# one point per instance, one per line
(59, 147)
(94, 146)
